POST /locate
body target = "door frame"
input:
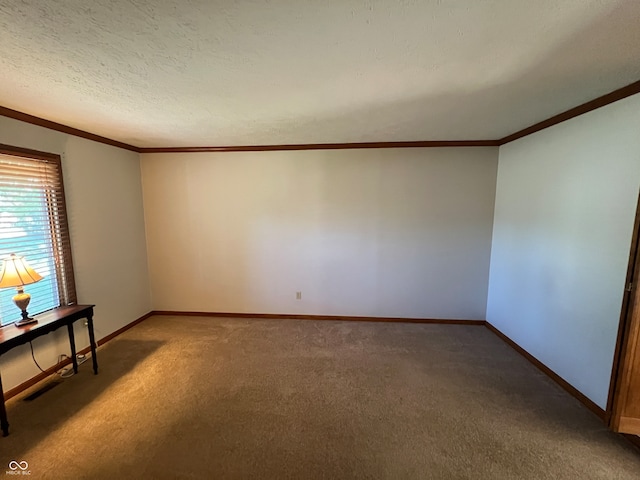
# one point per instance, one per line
(626, 315)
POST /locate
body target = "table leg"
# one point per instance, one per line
(72, 342)
(4, 423)
(92, 340)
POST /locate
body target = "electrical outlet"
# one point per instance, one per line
(298, 295)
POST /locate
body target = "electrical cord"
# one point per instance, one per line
(65, 372)
(68, 372)
(34, 358)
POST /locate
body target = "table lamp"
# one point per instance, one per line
(16, 272)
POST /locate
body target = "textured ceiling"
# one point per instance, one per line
(205, 72)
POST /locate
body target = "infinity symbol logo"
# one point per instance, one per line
(13, 465)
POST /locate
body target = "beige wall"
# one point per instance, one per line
(374, 232)
(565, 208)
(106, 222)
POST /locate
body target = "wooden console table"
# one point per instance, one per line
(12, 336)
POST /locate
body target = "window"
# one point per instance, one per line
(33, 224)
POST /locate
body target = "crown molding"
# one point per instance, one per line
(325, 146)
(59, 127)
(589, 106)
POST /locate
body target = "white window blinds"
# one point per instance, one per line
(33, 224)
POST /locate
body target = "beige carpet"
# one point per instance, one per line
(196, 397)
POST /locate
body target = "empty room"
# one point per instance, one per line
(275, 239)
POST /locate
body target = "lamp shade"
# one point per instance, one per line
(15, 272)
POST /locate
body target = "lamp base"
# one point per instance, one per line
(25, 321)
(22, 299)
